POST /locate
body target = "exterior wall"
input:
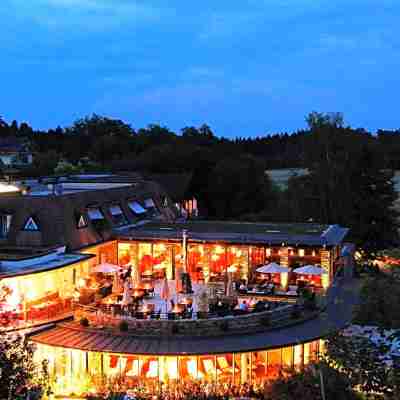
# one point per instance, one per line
(36, 298)
(80, 372)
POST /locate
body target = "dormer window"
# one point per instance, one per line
(81, 221)
(136, 207)
(31, 225)
(151, 207)
(117, 215)
(95, 213)
(5, 223)
(149, 203)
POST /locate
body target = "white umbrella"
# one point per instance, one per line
(310, 270)
(272, 268)
(106, 268)
(126, 296)
(165, 295)
(136, 279)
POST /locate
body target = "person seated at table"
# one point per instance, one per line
(272, 288)
(242, 287)
(244, 306)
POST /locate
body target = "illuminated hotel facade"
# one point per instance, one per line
(53, 241)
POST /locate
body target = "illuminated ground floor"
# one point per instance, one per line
(79, 372)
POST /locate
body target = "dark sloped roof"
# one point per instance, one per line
(56, 215)
(338, 315)
(242, 232)
(176, 185)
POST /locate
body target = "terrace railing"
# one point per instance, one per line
(200, 324)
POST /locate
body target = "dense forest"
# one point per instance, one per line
(349, 180)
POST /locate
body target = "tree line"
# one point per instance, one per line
(349, 179)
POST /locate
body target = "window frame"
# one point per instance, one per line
(120, 214)
(35, 223)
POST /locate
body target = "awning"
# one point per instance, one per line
(136, 207)
(95, 213)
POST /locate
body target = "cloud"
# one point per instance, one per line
(93, 15)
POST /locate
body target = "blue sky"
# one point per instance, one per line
(246, 67)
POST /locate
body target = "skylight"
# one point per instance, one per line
(136, 207)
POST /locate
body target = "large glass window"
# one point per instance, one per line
(188, 369)
(145, 259)
(207, 368)
(162, 260)
(197, 261)
(274, 363)
(259, 367)
(298, 356)
(225, 368)
(287, 358)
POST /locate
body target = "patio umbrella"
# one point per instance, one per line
(136, 279)
(310, 270)
(165, 293)
(106, 268)
(229, 285)
(272, 268)
(126, 296)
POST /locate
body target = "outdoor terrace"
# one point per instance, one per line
(338, 313)
(181, 323)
